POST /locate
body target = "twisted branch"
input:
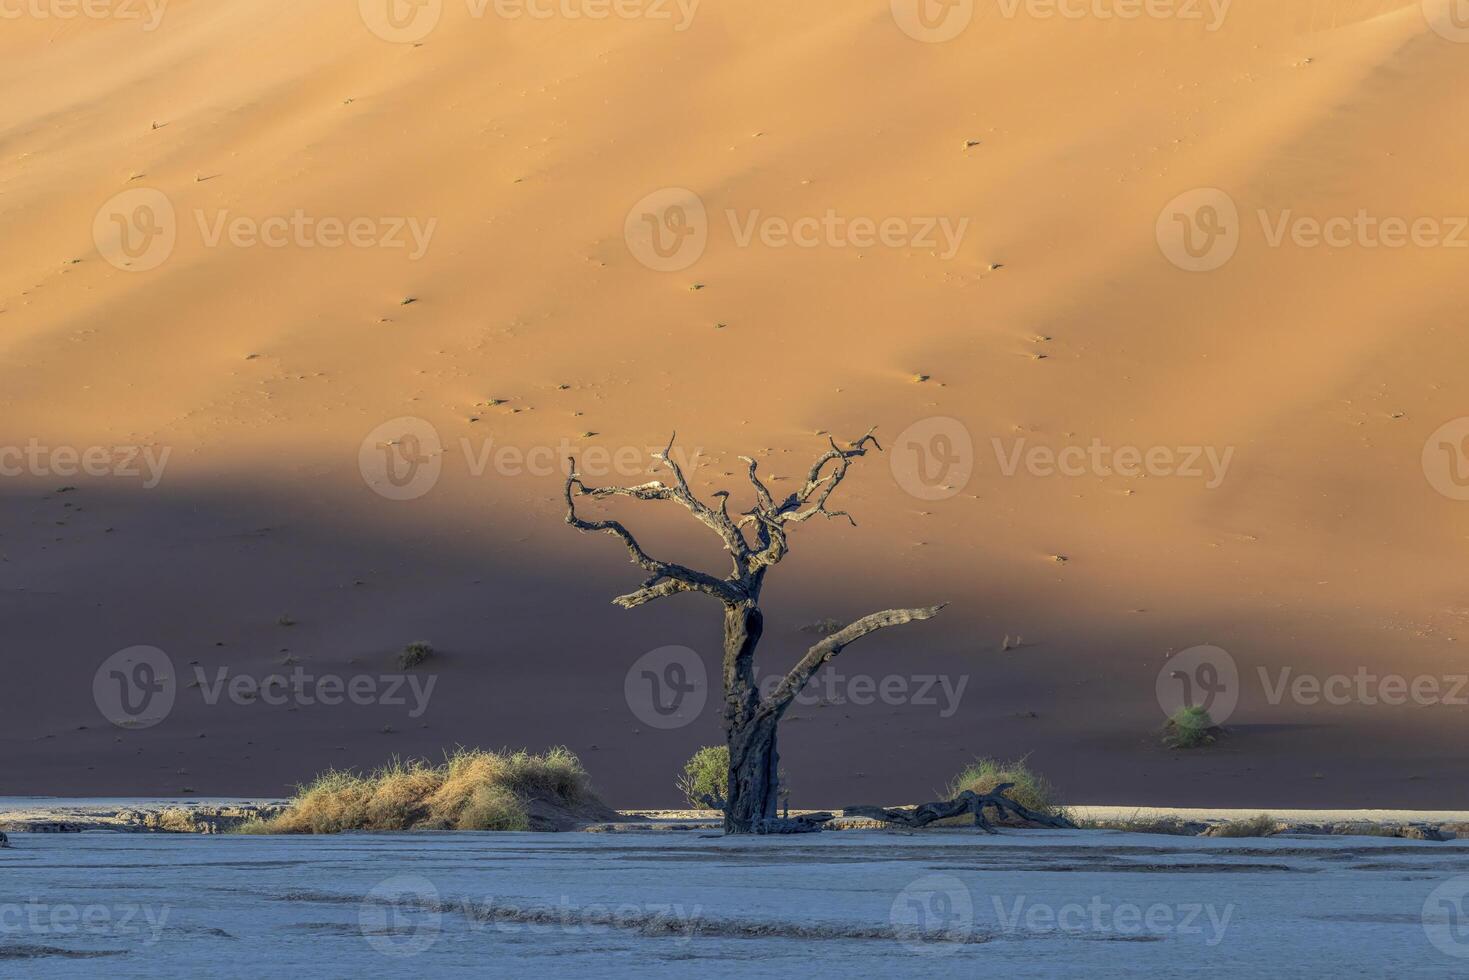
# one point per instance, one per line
(966, 802)
(827, 649)
(768, 517)
(666, 578)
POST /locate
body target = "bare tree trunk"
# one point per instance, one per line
(753, 781)
(753, 763)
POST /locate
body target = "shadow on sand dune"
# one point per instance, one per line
(237, 581)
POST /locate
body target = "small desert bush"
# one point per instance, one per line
(414, 654)
(1260, 825)
(706, 774)
(1030, 790)
(1189, 728)
(1141, 824)
(471, 790)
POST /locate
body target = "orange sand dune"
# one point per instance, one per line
(1228, 234)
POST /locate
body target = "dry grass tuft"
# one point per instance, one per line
(1030, 790)
(471, 790)
(1261, 825)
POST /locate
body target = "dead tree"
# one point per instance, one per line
(755, 540)
(966, 802)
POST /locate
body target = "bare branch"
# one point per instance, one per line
(717, 521)
(770, 518)
(828, 648)
(668, 578)
(826, 484)
(762, 495)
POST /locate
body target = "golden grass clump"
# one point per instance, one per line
(1030, 790)
(471, 790)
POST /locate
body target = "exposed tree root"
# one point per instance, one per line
(966, 802)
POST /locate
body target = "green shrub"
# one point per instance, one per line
(1030, 790)
(706, 778)
(1189, 728)
(414, 654)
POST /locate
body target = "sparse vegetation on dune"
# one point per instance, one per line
(1030, 788)
(1190, 728)
(705, 778)
(414, 654)
(1261, 825)
(704, 781)
(471, 790)
(1141, 824)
